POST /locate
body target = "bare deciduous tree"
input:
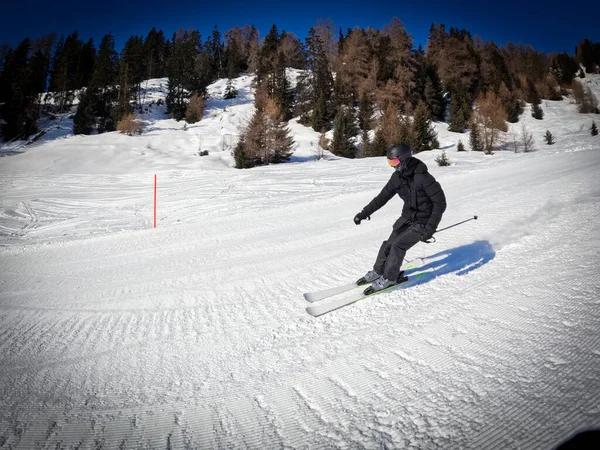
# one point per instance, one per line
(291, 47)
(325, 30)
(402, 59)
(195, 108)
(129, 125)
(457, 64)
(527, 139)
(267, 139)
(389, 124)
(491, 116)
(355, 62)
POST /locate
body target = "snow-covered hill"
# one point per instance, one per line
(114, 334)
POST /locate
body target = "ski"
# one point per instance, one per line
(323, 308)
(320, 295)
(325, 293)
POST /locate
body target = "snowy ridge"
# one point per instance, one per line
(194, 334)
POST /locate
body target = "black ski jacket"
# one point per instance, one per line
(423, 197)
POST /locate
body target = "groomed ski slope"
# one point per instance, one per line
(114, 334)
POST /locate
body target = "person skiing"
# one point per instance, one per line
(424, 205)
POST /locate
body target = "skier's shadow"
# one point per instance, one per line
(460, 260)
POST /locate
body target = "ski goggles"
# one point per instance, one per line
(394, 162)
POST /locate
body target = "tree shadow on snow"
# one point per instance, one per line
(460, 260)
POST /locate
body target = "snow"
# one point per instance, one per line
(114, 334)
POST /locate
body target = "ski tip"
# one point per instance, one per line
(312, 298)
(313, 311)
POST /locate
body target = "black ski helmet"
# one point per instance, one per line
(401, 150)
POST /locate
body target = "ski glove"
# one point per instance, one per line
(426, 236)
(360, 217)
(426, 233)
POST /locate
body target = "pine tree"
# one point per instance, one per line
(594, 129)
(460, 110)
(65, 74)
(456, 122)
(105, 66)
(216, 52)
(321, 82)
(320, 114)
(433, 97)
(56, 63)
(531, 93)
(185, 77)
(549, 137)
(280, 141)
(511, 103)
(533, 97)
(132, 70)
(230, 91)
(475, 140)
(242, 160)
(344, 131)
(424, 136)
(18, 87)
(155, 54)
(39, 64)
(84, 119)
(564, 68)
(365, 143)
(102, 85)
(365, 112)
(379, 145)
(443, 160)
(585, 54)
(280, 87)
(342, 93)
(268, 54)
(87, 59)
(303, 99)
(460, 147)
(405, 131)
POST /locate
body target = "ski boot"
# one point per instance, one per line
(381, 283)
(370, 276)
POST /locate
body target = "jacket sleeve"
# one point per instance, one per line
(434, 191)
(381, 199)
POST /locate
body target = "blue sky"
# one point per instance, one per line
(546, 25)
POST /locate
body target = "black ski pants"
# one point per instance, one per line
(392, 252)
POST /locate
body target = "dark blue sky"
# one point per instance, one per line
(546, 25)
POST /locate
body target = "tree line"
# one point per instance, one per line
(368, 85)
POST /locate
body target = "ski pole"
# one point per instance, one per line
(432, 239)
(456, 224)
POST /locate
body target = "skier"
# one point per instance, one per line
(424, 204)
